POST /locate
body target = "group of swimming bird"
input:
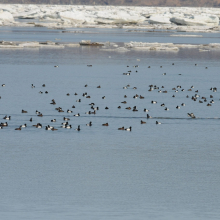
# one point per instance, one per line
(94, 110)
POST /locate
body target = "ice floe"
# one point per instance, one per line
(57, 16)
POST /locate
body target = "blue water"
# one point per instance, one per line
(167, 171)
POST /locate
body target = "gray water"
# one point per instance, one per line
(166, 171)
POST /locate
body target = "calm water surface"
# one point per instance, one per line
(167, 171)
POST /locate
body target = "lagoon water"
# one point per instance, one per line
(167, 171)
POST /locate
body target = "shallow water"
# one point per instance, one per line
(167, 171)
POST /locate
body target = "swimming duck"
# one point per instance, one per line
(5, 124)
(122, 128)
(18, 129)
(77, 115)
(158, 123)
(148, 116)
(7, 117)
(78, 129)
(54, 129)
(53, 120)
(68, 126)
(23, 111)
(89, 124)
(128, 129)
(106, 124)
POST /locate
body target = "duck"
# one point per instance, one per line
(78, 129)
(79, 100)
(119, 107)
(32, 86)
(53, 120)
(56, 66)
(166, 109)
(191, 115)
(18, 129)
(30, 119)
(68, 126)
(68, 94)
(143, 122)
(148, 116)
(103, 97)
(24, 125)
(7, 117)
(89, 124)
(122, 128)
(69, 111)
(106, 107)
(53, 102)
(40, 115)
(158, 123)
(146, 110)
(43, 85)
(99, 87)
(124, 102)
(5, 124)
(48, 128)
(66, 119)
(23, 111)
(106, 124)
(128, 129)
(153, 102)
(73, 106)
(76, 115)
(38, 125)
(177, 107)
(54, 129)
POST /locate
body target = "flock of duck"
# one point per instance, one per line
(94, 109)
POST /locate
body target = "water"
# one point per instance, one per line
(167, 171)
